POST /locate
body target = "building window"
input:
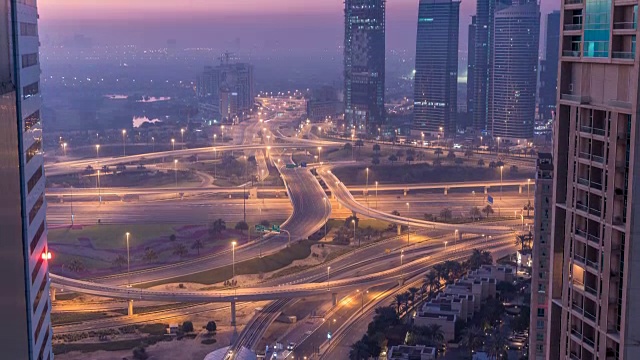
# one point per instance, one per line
(32, 120)
(540, 336)
(36, 208)
(34, 150)
(29, 60)
(540, 324)
(30, 90)
(34, 179)
(28, 29)
(540, 312)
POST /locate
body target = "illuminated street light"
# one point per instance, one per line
(124, 142)
(233, 263)
(128, 262)
(173, 144)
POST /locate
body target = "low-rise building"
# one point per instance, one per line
(406, 352)
(447, 322)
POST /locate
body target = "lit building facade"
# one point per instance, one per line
(594, 307)
(364, 64)
(514, 72)
(436, 78)
(25, 303)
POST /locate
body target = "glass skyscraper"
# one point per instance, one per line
(364, 64)
(436, 77)
(24, 298)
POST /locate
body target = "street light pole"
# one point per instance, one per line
(124, 142)
(173, 144)
(128, 263)
(376, 195)
(153, 142)
(182, 134)
(324, 201)
(328, 276)
(97, 153)
(366, 191)
(501, 168)
(319, 151)
(354, 231)
(408, 232)
(99, 193)
(233, 261)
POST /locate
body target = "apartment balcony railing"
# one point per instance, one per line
(590, 290)
(592, 130)
(624, 25)
(571, 2)
(592, 264)
(576, 332)
(572, 27)
(576, 98)
(571, 53)
(624, 55)
(589, 316)
(582, 207)
(579, 258)
(588, 341)
(583, 181)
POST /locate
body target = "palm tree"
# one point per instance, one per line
(435, 333)
(216, 227)
(475, 213)
(180, 250)
(497, 345)
(441, 272)
(446, 214)
(430, 281)
(197, 245)
(472, 338)
(438, 152)
(412, 293)
(120, 261)
(398, 300)
(488, 210)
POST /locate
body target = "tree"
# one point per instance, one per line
(475, 213)
(522, 241)
(479, 258)
(437, 162)
(76, 266)
(359, 144)
(211, 326)
(139, 353)
(409, 158)
(398, 301)
(217, 227)
(472, 338)
(392, 158)
(487, 210)
(187, 326)
(172, 237)
(430, 281)
(451, 156)
(480, 162)
(348, 224)
(375, 160)
(180, 250)
(347, 147)
(376, 148)
(359, 351)
(265, 223)
(412, 293)
(438, 152)
(252, 159)
(446, 214)
(497, 345)
(242, 226)
(120, 261)
(513, 169)
(149, 255)
(197, 245)
(468, 153)
(395, 213)
(459, 161)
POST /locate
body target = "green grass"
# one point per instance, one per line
(362, 224)
(120, 345)
(63, 318)
(420, 173)
(285, 257)
(111, 236)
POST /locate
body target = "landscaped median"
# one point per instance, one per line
(297, 251)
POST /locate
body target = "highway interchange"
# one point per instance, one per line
(306, 212)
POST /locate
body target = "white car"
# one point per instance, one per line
(291, 346)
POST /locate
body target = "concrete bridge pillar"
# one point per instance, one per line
(446, 191)
(233, 313)
(520, 190)
(406, 191)
(486, 190)
(399, 229)
(401, 282)
(52, 294)
(460, 235)
(130, 307)
(353, 213)
(334, 299)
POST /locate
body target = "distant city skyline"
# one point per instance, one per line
(235, 19)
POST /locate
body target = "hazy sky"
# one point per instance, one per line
(298, 24)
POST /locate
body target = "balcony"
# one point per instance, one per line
(587, 236)
(579, 258)
(590, 290)
(575, 98)
(571, 2)
(571, 53)
(588, 341)
(583, 181)
(572, 27)
(589, 316)
(620, 104)
(598, 159)
(623, 55)
(622, 25)
(582, 207)
(592, 264)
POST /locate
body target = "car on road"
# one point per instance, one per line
(291, 346)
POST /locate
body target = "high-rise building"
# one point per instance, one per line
(541, 254)
(226, 92)
(594, 303)
(436, 77)
(514, 72)
(471, 66)
(364, 64)
(485, 11)
(549, 68)
(24, 300)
